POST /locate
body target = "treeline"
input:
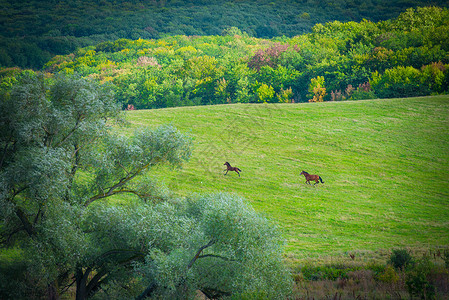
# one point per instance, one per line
(31, 32)
(402, 57)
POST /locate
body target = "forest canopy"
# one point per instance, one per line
(31, 32)
(402, 57)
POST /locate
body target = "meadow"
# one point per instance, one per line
(385, 164)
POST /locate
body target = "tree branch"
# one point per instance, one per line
(125, 179)
(26, 223)
(95, 282)
(111, 191)
(103, 273)
(71, 132)
(147, 292)
(213, 293)
(197, 255)
(215, 256)
(119, 251)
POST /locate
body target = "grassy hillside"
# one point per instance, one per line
(385, 164)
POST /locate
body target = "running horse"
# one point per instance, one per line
(309, 177)
(230, 168)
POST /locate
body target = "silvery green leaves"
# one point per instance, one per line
(122, 159)
(60, 154)
(221, 246)
(57, 156)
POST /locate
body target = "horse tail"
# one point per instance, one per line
(321, 179)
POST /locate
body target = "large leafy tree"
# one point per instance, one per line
(81, 212)
(59, 157)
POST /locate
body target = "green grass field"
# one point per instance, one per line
(385, 164)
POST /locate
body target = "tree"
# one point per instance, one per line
(316, 89)
(264, 93)
(63, 171)
(399, 82)
(219, 246)
(59, 157)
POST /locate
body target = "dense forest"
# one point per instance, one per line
(402, 57)
(31, 32)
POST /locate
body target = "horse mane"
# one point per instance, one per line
(305, 172)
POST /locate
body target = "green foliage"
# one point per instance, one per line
(317, 90)
(264, 93)
(400, 258)
(60, 29)
(16, 281)
(345, 48)
(232, 67)
(315, 273)
(435, 74)
(363, 92)
(418, 279)
(427, 279)
(61, 171)
(224, 247)
(389, 275)
(399, 82)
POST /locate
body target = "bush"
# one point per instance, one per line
(325, 272)
(400, 258)
(317, 90)
(389, 275)
(399, 82)
(418, 282)
(363, 92)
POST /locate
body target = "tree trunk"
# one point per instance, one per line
(148, 291)
(52, 291)
(81, 284)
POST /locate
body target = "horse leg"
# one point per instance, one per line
(226, 172)
(238, 172)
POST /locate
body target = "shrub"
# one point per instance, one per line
(400, 258)
(399, 82)
(325, 272)
(418, 283)
(265, 93)
(363, 92)
(389, 275)
(317, 89)
(434, 76)
(284, 95)
(337, 96)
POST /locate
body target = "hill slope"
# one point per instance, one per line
(384, 163)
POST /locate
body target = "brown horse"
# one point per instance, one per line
(309, 177)
(229, 168)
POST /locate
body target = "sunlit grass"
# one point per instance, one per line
(385, 164)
